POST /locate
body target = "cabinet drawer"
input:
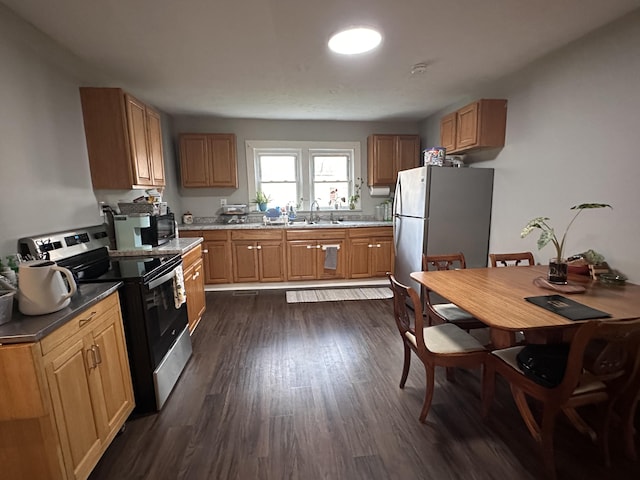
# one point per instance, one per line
(191, 256)
(256, 235)
(317, 234)
(82, 322)
(370, 232)
(215, 234)
(190, 233)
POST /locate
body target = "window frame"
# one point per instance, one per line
(304, 167)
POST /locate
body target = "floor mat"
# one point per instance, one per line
(338, 294)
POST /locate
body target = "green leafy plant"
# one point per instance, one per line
(261, 197)
(357, 188)
(548, 234)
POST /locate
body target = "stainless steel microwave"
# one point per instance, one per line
(162, 230)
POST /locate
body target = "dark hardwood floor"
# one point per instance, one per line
(310, 391)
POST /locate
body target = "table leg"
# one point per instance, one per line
(502, 338)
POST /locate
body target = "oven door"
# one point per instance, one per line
(164, 321)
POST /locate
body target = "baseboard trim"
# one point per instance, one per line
(300, 285)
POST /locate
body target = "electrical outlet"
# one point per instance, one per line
(223, 202)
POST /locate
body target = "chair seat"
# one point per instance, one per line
(588, 383)
(447, 338)
(452, 313)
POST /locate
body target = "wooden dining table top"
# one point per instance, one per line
(496, 296)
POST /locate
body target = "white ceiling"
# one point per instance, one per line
(268, 58)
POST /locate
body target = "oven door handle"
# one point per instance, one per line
(160, 280)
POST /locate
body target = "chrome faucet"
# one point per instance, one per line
(315, 218)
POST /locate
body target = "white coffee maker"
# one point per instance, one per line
(127, 229)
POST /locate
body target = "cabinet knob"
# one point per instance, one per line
(259, 247)
(205, 251)
(249, 247)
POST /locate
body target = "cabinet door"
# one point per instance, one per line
(71, 377)
(115, 390)
(137, 126)
(302, 259)
(448, 132)
(194, 161)
(217, 261)
(223, 161)
(271, 259)
(194, 286)
(359, 253)
(467, 126)
(156, 158)
(380, 158)
(381, 256)
(407, 153)
(245, 261)
(328, 273)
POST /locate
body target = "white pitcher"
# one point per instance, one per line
(42, 289)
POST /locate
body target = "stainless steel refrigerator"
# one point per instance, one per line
(440, 210)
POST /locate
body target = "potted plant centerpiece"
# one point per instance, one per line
(262, 199)
(557, 265)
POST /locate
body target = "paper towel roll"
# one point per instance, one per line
(379, 191)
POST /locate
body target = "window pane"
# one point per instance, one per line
(280, 193)
(328, 194)
(277, 168)
(330, 167)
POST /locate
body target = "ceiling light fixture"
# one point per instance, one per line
(419, 68)
(355, 40)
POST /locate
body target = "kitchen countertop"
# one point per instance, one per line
(31, 328)
(178, 246)
(295, 225)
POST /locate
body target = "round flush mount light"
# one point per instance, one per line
(355, 40)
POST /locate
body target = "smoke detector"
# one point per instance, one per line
(419, 68)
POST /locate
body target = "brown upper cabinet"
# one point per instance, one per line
(208, 160)
(124, 140)
(388, 154)
(481, 124)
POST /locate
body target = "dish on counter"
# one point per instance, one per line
(612, 278)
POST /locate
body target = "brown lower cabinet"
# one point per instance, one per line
(193, 268)
(258, 255)
(277, 255)
(216, 254)
(370, 252)
(65, 397)
(307, 254)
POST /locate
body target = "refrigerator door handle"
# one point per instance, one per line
(397, 207)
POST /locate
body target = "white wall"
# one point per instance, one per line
(45, 183)
(572, 122)
(206, 202)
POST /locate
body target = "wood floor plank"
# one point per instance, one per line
(310, 391)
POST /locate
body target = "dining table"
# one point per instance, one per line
(496, 296)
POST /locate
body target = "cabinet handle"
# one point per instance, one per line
(378, 245)
(195, 276)
(370, 246)
(91, 355)
(96, 351)
(249, 247)
(205, 251)
(259, 247)
(84, 321)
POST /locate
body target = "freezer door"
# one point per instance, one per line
(411, 193)
(459, 213)
(409, 244)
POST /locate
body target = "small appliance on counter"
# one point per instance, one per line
(161, 230)
(42, 288)
(128, 231)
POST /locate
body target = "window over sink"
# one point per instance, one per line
(299, 173)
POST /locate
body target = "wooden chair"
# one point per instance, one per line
(589, 379)
(511, 259)
(447, 312)
(441, 345)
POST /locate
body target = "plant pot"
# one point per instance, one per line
(558, 269)
(352, 206)
(262, 207)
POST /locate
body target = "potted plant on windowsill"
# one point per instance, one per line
(261, 199)
(557, 265)
(357, 188)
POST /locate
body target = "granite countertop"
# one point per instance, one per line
(31, 328)
(295, 225)
(178, 246)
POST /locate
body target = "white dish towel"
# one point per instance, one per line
(179, 293)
